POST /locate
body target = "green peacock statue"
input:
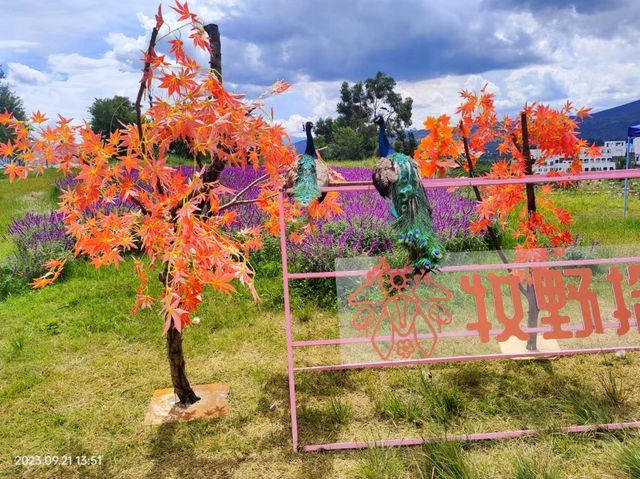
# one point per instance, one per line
(309, 174)
(397, 178)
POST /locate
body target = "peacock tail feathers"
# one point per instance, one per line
(305, 188)
(413, 223)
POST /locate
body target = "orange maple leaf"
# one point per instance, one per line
(183, 11)
(159, 19)
(38, 117)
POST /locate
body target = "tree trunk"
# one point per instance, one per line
(215, 60)
(532, 315)
(181, 385)
(493, 237)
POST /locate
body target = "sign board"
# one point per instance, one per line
(474, 308)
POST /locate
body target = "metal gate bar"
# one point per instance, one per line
(438, 183)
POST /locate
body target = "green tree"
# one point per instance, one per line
(353, 109)
(109, 114)
(410, 144)
(324, 130)
(359, 104)
(362, 101)
(11, 102)
(347, 144)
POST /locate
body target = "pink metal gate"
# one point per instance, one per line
(292, 344)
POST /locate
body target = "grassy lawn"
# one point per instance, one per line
(77, 370)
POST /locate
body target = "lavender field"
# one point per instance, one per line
(364, 228)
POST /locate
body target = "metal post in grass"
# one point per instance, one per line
(626, 180)
(633, 132)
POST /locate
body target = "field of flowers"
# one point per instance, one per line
(364, 228)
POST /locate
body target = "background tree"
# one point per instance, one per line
(542, 227)
(347, 143)
(12, 103)
(358, 105)
(324, 131)
(109, 114)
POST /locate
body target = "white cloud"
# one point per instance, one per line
(126, 49)
(294, 124)
(589, 68)
(71, 84)
(24, 74)
(20, 46)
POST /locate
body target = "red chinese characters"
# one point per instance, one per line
(405, 315)
(553, 295)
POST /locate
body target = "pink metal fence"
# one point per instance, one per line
(320, 342)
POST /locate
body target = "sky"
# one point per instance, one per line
(59, 55)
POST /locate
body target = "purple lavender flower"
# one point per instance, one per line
(37, 238)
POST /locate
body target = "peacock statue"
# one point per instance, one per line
(397, 178)
(309, 174)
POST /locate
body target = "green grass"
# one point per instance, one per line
(366, 163)
(381, 463)
(627, 460)
(444, 460)
(598, 216)
(533, 468)
(77, 370)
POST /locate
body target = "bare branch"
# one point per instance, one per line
(244, 190)
(244, 202)
(139, 205)
(143, 83)
(514, 138)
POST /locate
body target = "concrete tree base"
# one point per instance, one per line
(213, 403)
(516, 346)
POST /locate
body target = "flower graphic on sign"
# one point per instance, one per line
(400, 312)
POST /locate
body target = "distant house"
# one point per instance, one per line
(607, 161)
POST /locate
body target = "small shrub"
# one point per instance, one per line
(381, 463)
(628, 460)
(443, 460)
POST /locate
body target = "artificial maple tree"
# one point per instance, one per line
(179, 221)
(541, 226)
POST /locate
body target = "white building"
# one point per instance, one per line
(605, 162)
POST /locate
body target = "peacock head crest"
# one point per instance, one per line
(379, 118)
(307, 126)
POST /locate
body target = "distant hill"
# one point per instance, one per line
(610, 124)
(602, 126)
